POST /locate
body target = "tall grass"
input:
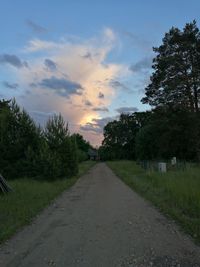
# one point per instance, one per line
(176, 193)
(28, 198)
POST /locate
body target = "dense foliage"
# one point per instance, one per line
(27, 150)
(170, 132)
(83, 147)
(176, 77)
(172, 127)
(119, 136)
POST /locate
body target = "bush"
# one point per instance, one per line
(27, 150)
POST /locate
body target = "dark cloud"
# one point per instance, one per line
(10, 85)
(101, 95)
(104, 109)
(33, 85)
(97, 125)
(88, 103)
(25, 63)
(91, 127)
(12, 60)
(27, 92)
(126, 110)
(88, 55)
(61, 86)
(142, 65)
(102, 122)
(118, 85)
(50, 64)
(35, 27)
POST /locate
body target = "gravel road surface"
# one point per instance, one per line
(100, 222)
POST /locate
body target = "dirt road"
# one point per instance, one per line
(100, 222)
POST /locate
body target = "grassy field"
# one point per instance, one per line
(30, 197)
(176, 193)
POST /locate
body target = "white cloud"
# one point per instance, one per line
(110, 36)
(72, 69)
(36, 45)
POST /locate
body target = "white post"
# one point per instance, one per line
(173, 161)
(162, 166)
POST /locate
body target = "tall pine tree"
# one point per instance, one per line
(176, 77)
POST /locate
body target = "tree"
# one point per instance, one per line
(119, 136)
(82, 144)
(27, 150)
(55, 132)
(61, 150)
(176, 77)
(82, 147)
(19, 135)
(169, 132)
(147, 143)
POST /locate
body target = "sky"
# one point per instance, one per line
(86, 59)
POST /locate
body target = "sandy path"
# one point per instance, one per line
(100, 222)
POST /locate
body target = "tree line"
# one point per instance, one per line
(27, 150)
(172, 127)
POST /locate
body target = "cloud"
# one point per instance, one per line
(66, 88)
(50, 64)
(35, 27)
(97, 124)
(103, 121)
(10, 85)
(119, 85)
(36, 45)
(43, 114)
(126, 110)
(104, 109)
(88, 55)
(13, 60)
(33, 85)
(88, 103)
(91, 127)
(109, 35)
(101, 95)
(144, 64)
(107, 39)
(61, 86)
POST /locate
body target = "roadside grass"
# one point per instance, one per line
(175, 193)
(28, 198)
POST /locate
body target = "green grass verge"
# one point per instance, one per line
(176, 193)
(30, 197)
